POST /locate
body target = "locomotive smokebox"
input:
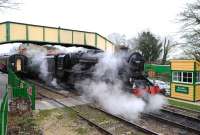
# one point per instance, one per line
(18, 63)
(136, 62)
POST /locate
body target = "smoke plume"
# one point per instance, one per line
(37, 55)
(106, 89)
(72, 49)
(39, 63)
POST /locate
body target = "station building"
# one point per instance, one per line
(185, 80)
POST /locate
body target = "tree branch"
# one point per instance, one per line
(8, 4)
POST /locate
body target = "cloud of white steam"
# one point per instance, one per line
(155, 103)
(113, 99)
(54, 83)
(110, 95)
(39, 64)
(9, 48)
(70, 49)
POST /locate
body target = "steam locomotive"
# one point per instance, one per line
(72, 67)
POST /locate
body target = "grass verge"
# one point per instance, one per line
(184, 105)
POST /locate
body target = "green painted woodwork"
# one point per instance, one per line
(4, 109)
(59, 35)
(7, 31)
(95, 40)
(182, 89)
(27, 35)
(72, 37)
(194, 81)
(85, 39)
(43, 34)
(21, 88)
(157, 68)
(170, 79)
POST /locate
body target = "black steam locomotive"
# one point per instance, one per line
(80, 65)
(72, 67)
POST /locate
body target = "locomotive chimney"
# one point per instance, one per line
(121, 49)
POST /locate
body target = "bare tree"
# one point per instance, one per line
(193, 52)
(118, 39)
(190, 17)
(132, 43)
(167, 46)
(8, 4)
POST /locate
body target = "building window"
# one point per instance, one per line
(183, 77)
(198, 77)
(177, 76)
(187, 77)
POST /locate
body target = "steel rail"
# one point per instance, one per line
(172, 107)
(180, 114)
(127, 122)
(142, 129)
(82, 117)
(177, 121)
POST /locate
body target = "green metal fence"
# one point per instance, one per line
(3, 109)
(21, 88)
(162, 72)
(18, 88)
(158, 68)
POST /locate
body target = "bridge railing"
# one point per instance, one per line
(20, 32)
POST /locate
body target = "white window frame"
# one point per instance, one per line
(182, 77)
(173, 76)
(197, 75)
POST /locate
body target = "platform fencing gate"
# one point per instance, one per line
(21, 88)
(4, 109)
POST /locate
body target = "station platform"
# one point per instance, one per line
(45, 104)
(3, 78)
(184, 101)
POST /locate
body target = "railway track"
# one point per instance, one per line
(177, 118)
(103, 121)
(187, 112)
(113, 124)
(50, 91)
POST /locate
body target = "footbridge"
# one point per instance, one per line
(14, 32)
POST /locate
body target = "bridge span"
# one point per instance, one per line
(14, 32)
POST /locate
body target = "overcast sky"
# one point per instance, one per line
(102, 16)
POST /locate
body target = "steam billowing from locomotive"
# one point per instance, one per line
(42, 65)
(37, 60)
(115, 81)
(109, 89)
